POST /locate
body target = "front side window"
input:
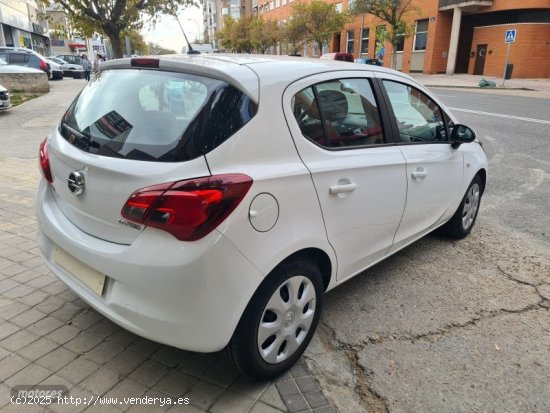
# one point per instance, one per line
(154, 116)
(421, 35)
(339, 113)
(418, 117)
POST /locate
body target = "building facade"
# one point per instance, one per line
(21, 26)
(448, 36)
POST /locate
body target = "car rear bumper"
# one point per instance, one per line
(185, 294)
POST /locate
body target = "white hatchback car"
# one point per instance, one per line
(208, 201)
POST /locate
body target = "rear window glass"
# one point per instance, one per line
(155, 116)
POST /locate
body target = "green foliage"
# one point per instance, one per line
(137, 44)
(294, 34)
(115, 17)
(319, 20)
(393, 12)
(155, 49)
(248, 34)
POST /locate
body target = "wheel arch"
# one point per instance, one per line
(482, 173)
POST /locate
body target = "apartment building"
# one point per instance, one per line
(448, 36)
(21, 26)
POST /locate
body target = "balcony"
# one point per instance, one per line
(466, 5)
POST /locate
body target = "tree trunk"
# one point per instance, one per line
(113, 32)
(394, 55)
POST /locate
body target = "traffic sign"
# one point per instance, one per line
(510, 36)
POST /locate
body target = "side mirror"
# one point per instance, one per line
(461, 134)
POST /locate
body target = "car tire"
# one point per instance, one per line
(462, 222)
(278, 322)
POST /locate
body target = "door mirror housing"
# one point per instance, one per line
(462, 134)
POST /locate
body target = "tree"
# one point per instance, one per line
(137, 44)
(294, 34)
(264, 34)
(319, 20)
(115, 17)
(392, 12)
(156, 49)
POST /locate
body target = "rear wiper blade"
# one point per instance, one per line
(80, 139)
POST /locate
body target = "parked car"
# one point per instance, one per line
(70, 58)
(55, 69)
(7, 68)
(69, 69)
(367, 61)
(5, 102)
(25, 57)
(344, 57)
(240, 190)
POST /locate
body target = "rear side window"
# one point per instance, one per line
(339, 113)
(155, 116)
(19, 58)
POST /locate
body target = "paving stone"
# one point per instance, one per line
(169, 356)
(12, 309)
(122, 337)
(295, 402)
(14, 269)
(11, 365)
(221, 373)
(5, 394)
(7, 284)
(45, 326)
(271, 396)
(19, 291)
(175, 383)
(67, 312)
(41, 281)
(57, 359)
(150, 408)
(126, 388)
(197, 363)
(14, 408)
(4, 353)
(231, 402)
(78, 370)
(27, 318)
(287, 387)
(30, 375)
(149, 373)
(204, 394)
(325, 409)
(306, 384)
(183, 408)
(18, 340)
(249, 388)
(63, 334)
(37, 349)
(103, 328)
(7, 329)
(50, 304)
(34, 298)
(101, 381)
(126, 362)
(83, 343)
(104, 352)
(68, 296)
(316, 399)
(147, 348)
(55, 288)
(78, 394)
(105, 408)
(299, 370)
(261, 407)
(86, 319)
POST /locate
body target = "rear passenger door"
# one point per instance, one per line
(341, 133)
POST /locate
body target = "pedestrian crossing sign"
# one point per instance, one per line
(510, 36)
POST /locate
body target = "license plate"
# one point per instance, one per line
(93, 279)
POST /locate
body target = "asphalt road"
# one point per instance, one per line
(457, 326)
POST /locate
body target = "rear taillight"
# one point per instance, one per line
(189, 209)
(43, 65)
(44, 160)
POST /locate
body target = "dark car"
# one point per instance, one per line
(367, 61)
(25, 57)
(343, 57)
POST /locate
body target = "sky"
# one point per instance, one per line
(167, 32)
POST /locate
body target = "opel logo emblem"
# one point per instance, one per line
(76, 182)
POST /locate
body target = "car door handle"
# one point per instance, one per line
(340, 189)
(419, 174)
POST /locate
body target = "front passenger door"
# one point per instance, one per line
(434, 168)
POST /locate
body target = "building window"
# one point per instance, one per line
(284, 2)
(338, 7)
(351, 4)
(421, 34)
(350, 41)
(277, 3)
(365, 41)
(400, 42)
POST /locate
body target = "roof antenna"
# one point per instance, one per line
(190, 49)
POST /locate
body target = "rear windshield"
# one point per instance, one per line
(154, 116)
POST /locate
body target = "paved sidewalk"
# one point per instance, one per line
(49, 336)
(526, 87)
